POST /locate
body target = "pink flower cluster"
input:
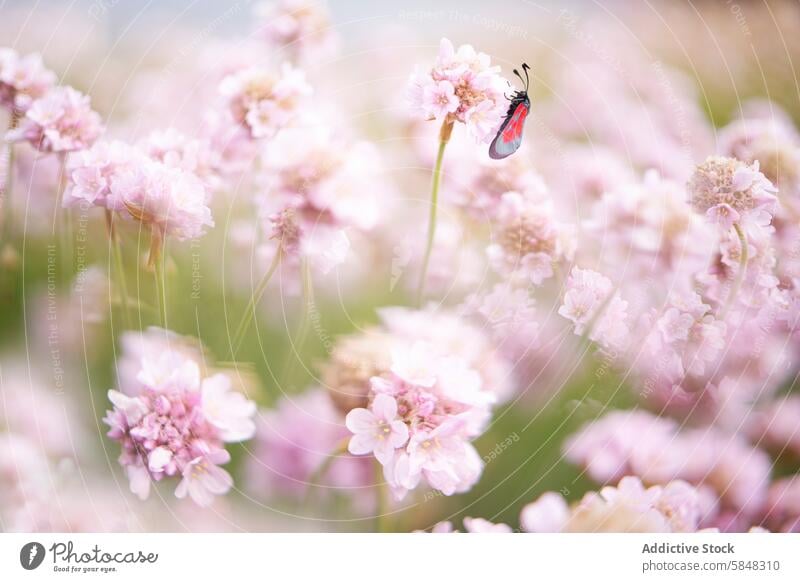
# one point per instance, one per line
(263, 102)
(593, 305)
(461, 86)
(301, 28)
(529, 239)
(421, 419)
(294, 442)
(23, 79)
(628, 507)
(176, 424)
(60, 121)
(732, 475)
(157, 186)
(314, 192)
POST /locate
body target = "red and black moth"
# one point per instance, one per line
(509, 136)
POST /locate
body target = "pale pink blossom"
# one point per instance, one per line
(480, 525)
(377, 430)
(23, 79)
(262, 101)
(300, 28)
(61, 121)
(176, 423)
(461, 86)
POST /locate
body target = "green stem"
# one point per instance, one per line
(6, 221)
(319, 474)
(250, 312)
(6, 233)
(444, 137)
(381, 501)
(65, 216)
(740, 274)
(156, 262)
(305, 322)
(119, 269)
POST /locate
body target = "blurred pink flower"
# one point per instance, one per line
(593, 305)
(294, 440)
(629, 507)
(300, 28)
(61, 121)
(263, 102)
(728, 191)
(529, 241)
(22, 80)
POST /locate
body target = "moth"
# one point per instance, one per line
(509, 136)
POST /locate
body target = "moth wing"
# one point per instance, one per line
(509, 136)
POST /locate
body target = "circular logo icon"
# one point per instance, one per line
(31, 555)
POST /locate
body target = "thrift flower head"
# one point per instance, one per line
(421, 419)
(628, 507)
(22, 79)
(728, 191)
(301, 28)
(93, 173)
(529, 240)
(461, 86)
(61, 121)
(169, 200)
(294, 440)
(592, 304)
(176, 424)
(263, 102)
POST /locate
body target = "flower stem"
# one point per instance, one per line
(119, 269)
(381, 500)
(740, 274)
(65, 216)
(5, 196)
(444, 137)
(7, 186)
(250, 312)
(156, 262)
(319, 474)
(305, 322)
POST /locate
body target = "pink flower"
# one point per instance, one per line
(461, 86)
(263, 102)
(203, 479)
(548, 514)
(169, 200)
(92, 173)
(22, 79)
(176, 423)
(440, 98)
(590, 300)
(61, 121)
(729, 191)
(294, 440)
(377, 430)
(301, 28)
(674, 325)
(529, 241)
(229, 411)
(480, 525)
(630, 507)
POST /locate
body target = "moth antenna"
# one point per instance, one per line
(516, 72)
(525, 68)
